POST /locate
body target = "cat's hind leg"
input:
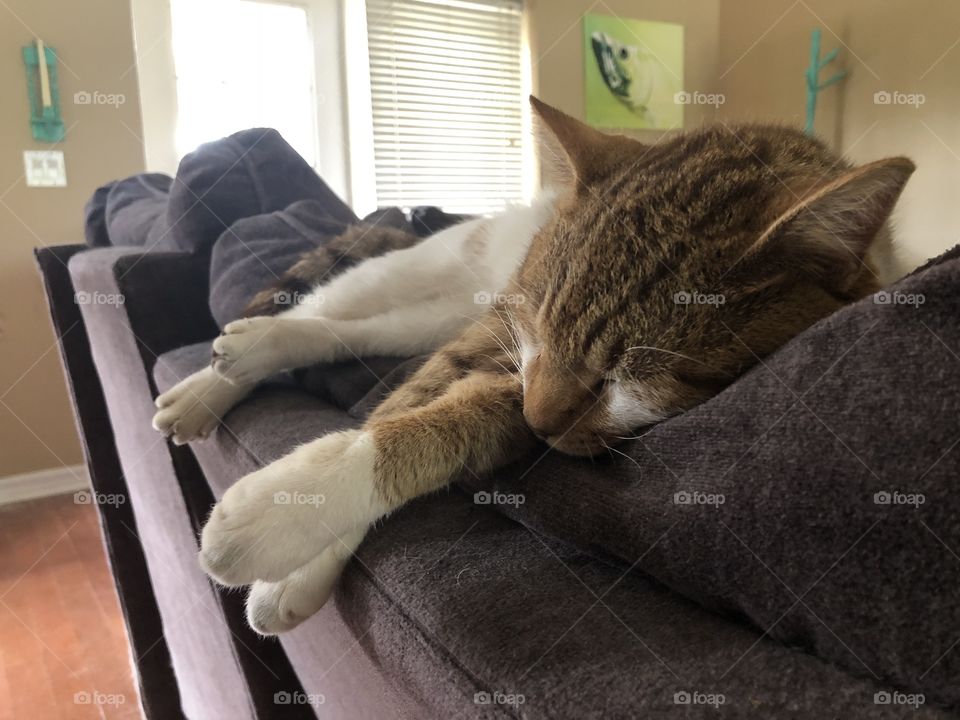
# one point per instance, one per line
(276, 607)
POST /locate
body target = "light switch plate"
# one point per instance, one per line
(45, 168)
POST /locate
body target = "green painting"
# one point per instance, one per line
(634, 73)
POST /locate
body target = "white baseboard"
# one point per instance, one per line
(43, 483)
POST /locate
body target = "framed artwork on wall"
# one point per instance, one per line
(634, 73)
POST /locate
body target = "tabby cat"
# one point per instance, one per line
(660, 275)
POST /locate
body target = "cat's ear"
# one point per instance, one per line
(827, 233)
(585, 153)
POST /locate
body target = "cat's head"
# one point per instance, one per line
(670, 269)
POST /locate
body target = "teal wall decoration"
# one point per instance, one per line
(814, 86)
(43, 90)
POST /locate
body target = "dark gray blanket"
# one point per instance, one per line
(818, 497)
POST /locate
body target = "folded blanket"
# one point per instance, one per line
(817, 497)
(255, 207)
(248, 173)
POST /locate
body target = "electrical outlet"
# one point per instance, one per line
(45, 168)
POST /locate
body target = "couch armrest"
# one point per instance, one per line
(163, 295)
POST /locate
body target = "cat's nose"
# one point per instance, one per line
(555, 397)
(549, 419)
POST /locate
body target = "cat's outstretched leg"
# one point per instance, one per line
(192, 408)
(345, 481)
(277, 607)
(252, 349)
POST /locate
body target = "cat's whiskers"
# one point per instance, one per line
(512, 373)
(495, 337)
(620, 452)
(634, 437)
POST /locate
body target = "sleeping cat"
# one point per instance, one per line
(606, 325)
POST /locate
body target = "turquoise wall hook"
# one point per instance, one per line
(43, 90)
(814, 86)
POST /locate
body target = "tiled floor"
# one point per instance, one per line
(63, 648)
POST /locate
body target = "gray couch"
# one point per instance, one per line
(619, 587)
(456, 608)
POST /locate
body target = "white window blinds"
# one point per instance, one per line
(446, 83)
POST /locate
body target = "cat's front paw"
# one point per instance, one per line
(276, 520)
(192, 408)
(250, 350)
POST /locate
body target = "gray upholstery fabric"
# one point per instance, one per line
(448, 599)
(196, 633)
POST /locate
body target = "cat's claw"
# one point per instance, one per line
(249, 350)
(279, 518)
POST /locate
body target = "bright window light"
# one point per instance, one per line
(243, 64)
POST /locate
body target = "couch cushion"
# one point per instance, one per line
(454, 604)
(836, 461)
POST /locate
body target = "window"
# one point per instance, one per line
(447, 93)
(242, 64)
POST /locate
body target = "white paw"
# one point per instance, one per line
(192, 408)
(251, 349)
(279, 518)
(277, 607)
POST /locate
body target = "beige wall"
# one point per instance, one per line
(908, 46)
(95, 42)
(556, 46)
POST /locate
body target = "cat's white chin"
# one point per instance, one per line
(279, 518)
